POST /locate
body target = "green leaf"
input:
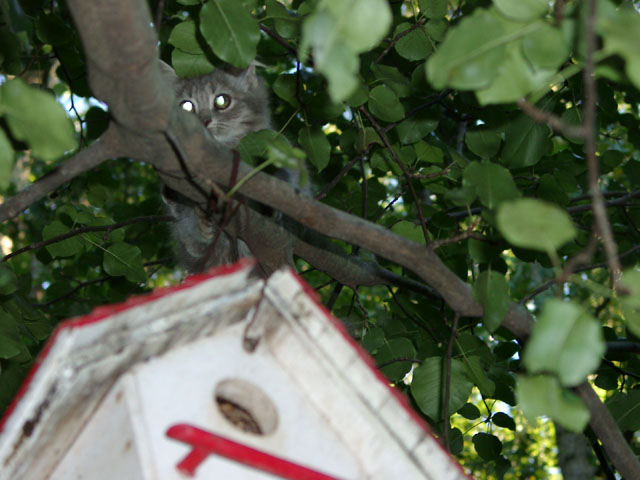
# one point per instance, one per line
(6, 160)
(363, 23)
(254, 144)
(231, 32)
(392, 77)
(318, 148)
(492, 182)
(189, 2)
(187, 65)
(503, 420)
(283, 155)
(409, 231)
(396, 348)
(425, 152)
(545, 48)
(286, 25)
(630, 303)
(469, 411)
(522, 9)
(384, 104)
(434, 8)
(427, 387)
(483, 142)
(337, 33)
(123, 259)
(515, 78)
(525, 142)
(285, 87)
(535, 224)
(415, 45)
(573, 116)
(492, 292)
(436, 28)
(415, 128)
(366, 137)
(488, 446)
(543, 395)
(333, 57)
(456, 441)
(53, 30)
(183, 37)
(10, 343)
(620, 30)
(8, 281)
(65, 248)
(477, 375)
(35, 117)
(373, 339)
(565, 340)
(625, 409)
(470, 54)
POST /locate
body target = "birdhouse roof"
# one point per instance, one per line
(271, 334)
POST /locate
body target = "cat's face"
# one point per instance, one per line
(230, 105)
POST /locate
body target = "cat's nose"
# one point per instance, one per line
(206, 121)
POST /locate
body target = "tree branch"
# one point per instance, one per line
(602, 226)
(108, 146)
(79, 231)
(553, 121)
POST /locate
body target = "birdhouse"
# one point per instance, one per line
(226, 376)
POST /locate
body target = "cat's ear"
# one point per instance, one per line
(247, 75)
(168, 72)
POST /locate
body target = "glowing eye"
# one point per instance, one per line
(188, 106)
(222, 102)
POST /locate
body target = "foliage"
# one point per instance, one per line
(406, 113)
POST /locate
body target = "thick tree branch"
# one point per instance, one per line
(605, 427)
(108, 146)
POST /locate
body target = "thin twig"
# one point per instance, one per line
(429, 176)
(447, 384)
(335, 293)
(395, 39)
(555, 122)
(620, 201)
(365, 189)
(586, 268)
(279, 39)
(399, 359)
(602, 226)
(72, 291)
(325, 190)
(469, 232)
(417, 322)
(159, 11)
(407, 175)
(79, 231)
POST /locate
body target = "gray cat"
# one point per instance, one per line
(230, 103)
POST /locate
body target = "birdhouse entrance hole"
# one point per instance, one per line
(246, 406)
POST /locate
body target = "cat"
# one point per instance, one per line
(230, 103)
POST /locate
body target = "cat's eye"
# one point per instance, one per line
(188, 106)
(222, 102)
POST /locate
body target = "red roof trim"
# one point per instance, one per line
(368, 360)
